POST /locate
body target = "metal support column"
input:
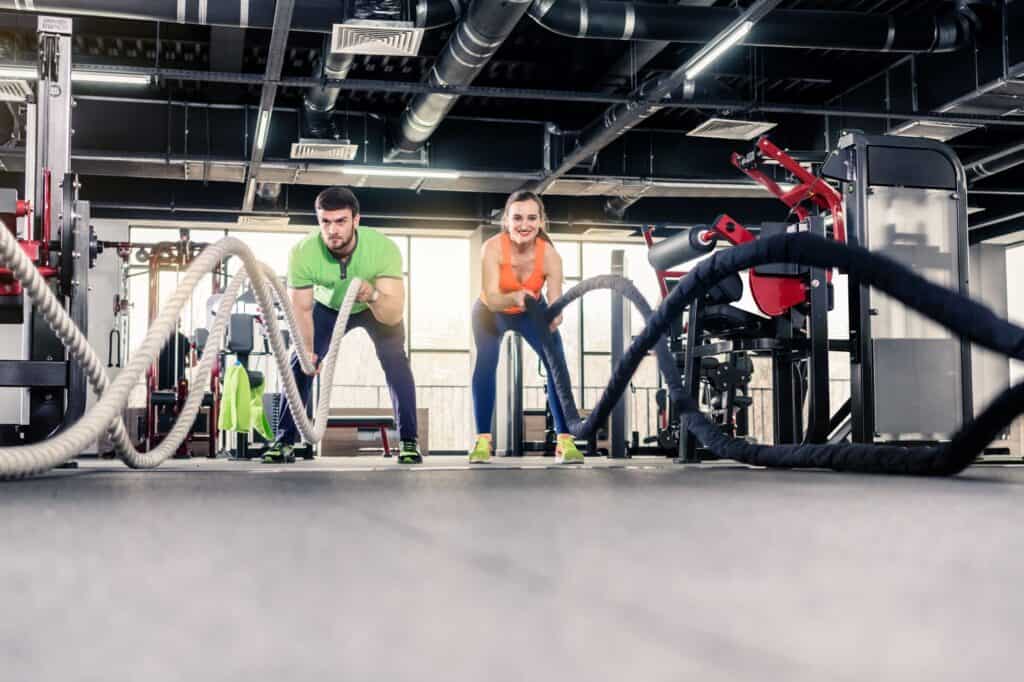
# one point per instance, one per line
(618, 421)
(508, 409)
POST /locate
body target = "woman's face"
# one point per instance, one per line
(523, 221)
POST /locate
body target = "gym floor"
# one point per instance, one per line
(358, 569)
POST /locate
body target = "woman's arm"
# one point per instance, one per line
(553, 275)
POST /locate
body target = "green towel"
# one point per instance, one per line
(241, 408)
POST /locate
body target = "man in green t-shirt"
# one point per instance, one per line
(320, 269)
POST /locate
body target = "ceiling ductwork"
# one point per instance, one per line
(308, 15)
(356, 27)
(391, 27)
(639, 54)
(802, 29)
(775, 28)
(645, 101)
(475, 40)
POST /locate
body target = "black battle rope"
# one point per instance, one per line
(967, 318)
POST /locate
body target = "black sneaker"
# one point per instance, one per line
(279, 453)
(410, 453)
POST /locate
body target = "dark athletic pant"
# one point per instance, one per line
(389, 341)
(488, 329)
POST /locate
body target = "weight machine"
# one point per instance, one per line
(910, 379)
(42, 392)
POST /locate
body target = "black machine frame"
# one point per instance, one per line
(860, 163)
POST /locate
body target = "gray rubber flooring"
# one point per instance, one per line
(345, 570)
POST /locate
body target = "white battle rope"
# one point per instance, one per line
(25, 460)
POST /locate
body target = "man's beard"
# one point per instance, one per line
(345, 244)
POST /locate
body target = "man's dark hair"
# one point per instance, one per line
(336, 199)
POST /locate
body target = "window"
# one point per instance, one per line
(1015, 299)
(439, 272)
(570, 253)
(442, 387)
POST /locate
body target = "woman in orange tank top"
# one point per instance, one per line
(516, 263)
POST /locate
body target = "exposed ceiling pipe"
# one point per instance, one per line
(991, 164)
(646, 100)
(475, 40)
(631, 21)
(782, 28)
(639, 54)
(320, 99)
(309, 15)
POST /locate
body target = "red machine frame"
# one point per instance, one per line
(38, 250)
(774, 294)
(165, 256)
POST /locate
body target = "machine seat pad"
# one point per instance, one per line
(728, 320)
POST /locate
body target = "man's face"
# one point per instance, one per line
(337, 228)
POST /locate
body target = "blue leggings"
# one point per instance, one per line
(488, 328)
(388, 340)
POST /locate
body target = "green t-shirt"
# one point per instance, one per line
(310, 264)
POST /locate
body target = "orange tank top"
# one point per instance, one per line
(509, 282)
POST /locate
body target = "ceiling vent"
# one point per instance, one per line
(729, 129)
(12, 90)
(935, 130)
(324, 150)
(365, 36)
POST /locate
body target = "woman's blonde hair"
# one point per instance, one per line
(526, 195)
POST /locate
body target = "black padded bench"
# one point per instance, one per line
(380, 421)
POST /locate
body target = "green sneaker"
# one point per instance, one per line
(410, 453)
(481, 452)
(278, 453)
(566, 451)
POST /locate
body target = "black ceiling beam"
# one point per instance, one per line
(381, 86)
(1007, 224)
(275, 62)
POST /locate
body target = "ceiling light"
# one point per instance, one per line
(728, 40)
(262, 127)
(29, 73)
(22, 72)
(401, 172)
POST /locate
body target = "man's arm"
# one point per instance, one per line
(385, 298)
(302, 304)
